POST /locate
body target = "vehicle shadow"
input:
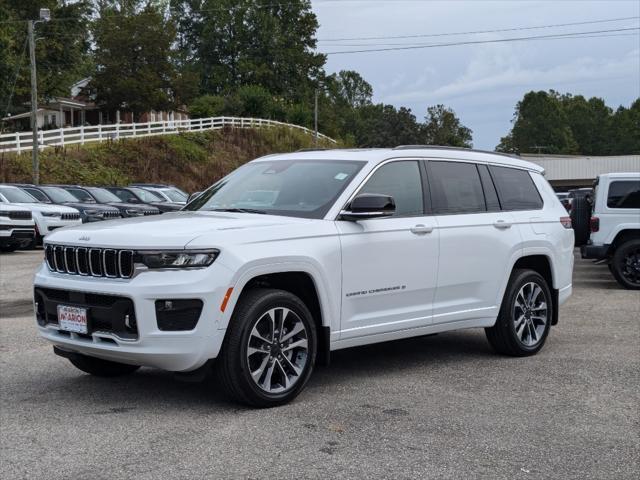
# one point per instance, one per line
(155, 390)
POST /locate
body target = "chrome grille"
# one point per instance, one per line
(70, 216)
(96, 262)
(111, 214)
(151, 212)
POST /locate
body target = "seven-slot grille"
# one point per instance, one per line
(151, 212)
(70, 216)
(17, 214)
(111, 214)
(86, 261)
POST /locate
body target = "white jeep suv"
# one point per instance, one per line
(16, 227)
(615, 226)
(292, 256)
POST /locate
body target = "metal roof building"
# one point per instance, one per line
(565, 171)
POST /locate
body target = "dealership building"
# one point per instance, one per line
(574, 171)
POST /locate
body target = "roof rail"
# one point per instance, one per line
(448, 147)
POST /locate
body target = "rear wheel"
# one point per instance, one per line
(101, 368)
(625, 264)
(525, 315)
(270, 349)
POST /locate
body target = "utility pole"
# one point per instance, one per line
(34, 106)
(45, 15)
(315, 118)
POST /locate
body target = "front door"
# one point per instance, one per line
(389, 265)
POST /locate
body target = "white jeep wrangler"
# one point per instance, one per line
(615, 226)
(295, 255)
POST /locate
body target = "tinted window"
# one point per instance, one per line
(38, 194)
(59, 195)
(124, 195)
(455, 187)
(81, 195)
(624, 194)
(490, 194)
(15, 195)
(516, 189)
(403, 182)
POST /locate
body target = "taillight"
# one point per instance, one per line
(566, 222)
(594, 224)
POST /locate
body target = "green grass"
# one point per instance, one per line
(191, 160)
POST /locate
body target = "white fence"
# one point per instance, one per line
(21, 141)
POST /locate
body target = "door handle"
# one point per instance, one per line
(421, 229)
(502, 224)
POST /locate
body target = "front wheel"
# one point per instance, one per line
(270, 348)
(525, 315)
(625, 264)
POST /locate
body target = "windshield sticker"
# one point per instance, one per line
(341, 176)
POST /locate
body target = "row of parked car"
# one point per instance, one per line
(29, 212)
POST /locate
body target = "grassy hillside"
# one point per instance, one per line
(190, 160)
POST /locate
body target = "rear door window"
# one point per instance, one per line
(455, 188)
(624, 194)
(516, 189)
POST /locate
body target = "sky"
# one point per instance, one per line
(483, 82)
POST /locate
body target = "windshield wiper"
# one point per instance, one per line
(239, 210)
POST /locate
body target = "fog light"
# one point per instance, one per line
(178, 315)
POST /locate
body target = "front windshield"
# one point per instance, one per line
(59, 195)
(146, 195)
(174, 195)
(104, 196)
(295, 188)
(15, 195)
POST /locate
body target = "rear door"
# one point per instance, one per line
(389, 265)
(477, 241)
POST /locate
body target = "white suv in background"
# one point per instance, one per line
(47, 217)
(615, 226)
(292, 256)
(16, 227)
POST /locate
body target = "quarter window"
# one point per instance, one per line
(456, 188)
(401, 180)
(516, 189)
(624, 194)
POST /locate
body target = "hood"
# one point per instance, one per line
(90, 206)
(46, 207)
(170, 230)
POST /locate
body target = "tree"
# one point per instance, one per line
(250, 42)
(625, 130)
(349, 89)
(61, 50)
(589, 121)
(442, 127)
(384, 126)
(133, 55)
(540, 123)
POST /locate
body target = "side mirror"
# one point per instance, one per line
(369, 205)
(193, 196)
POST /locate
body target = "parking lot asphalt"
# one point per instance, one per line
(443, 406)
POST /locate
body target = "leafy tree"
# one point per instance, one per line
(207, 106)
(385, 126)
(540, 122)
(442, 127)
(349, 88)
(61, 50)
(250, 42)
(625, 130)
(589, 121)
(133, 55)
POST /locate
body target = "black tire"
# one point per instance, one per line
(502, 336)
(580, 220)
(8, 248)
(625, 264)
(232, 365)
(101, 368)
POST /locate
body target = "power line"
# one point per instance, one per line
(477, 42)
(620, 19)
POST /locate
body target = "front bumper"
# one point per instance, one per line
(20, 236)
(596, 252)
(178, 351)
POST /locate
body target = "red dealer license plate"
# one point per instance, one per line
(72, 319)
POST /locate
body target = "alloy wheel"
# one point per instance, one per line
(631, 267)
(530, 314)
(277, 350)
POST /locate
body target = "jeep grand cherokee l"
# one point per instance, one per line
(292, 256)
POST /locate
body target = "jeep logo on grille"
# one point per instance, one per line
(85, 238)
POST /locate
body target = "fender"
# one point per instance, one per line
(329, 310)
(619, 228)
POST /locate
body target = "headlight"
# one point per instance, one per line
(178, 258)
(134, 212)
(51, 214)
